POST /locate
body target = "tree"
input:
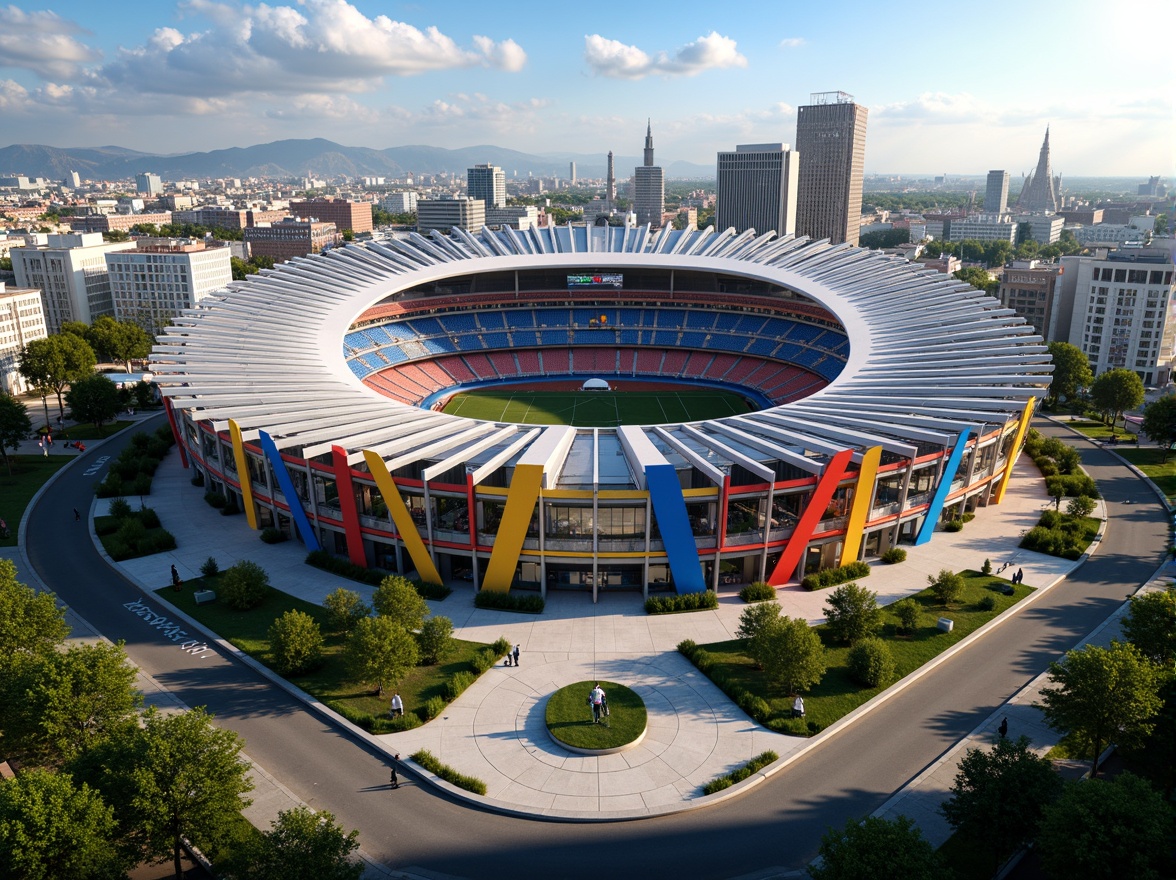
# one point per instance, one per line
(31, 623)
(908, 613)
(978, 278)
(93, 399)
(380, 651)
(51, 828)
(1115, 392)
(344, 609)
(397, 599)
(296, 644)
(852, 613)
(1159, 422)
(1150, 625)
(119, 340)
(1104, 830)
(1102, 695)
(244, 585)
(1071, 371)
(55, 361)
(756, 617)
(68, 700)
(303, 843)
(877, 848)
(871, 663)
(1080, 506)
(999, 796)
(790, 652)
(436, 639)
(947, 586)
(15, 426)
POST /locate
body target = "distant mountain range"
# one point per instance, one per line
(315, 157)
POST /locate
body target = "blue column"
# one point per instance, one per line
(940, 497)
(669, 506)
(287, 486)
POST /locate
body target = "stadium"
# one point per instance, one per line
(600, 408)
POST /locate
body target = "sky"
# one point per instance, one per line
(952, 88)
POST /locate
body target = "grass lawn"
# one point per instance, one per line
(147, 542)
(569, 717)
(89, 432)
(1150, 460)
(1096, 430)
(838, 694)
(249, 631)
(29, 473)
(595, 409)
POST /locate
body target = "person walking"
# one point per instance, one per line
(1003, 730)
(41, 443)
(397, 705)
(516, 655)
(798, 707)
(394, 780)
(175, 579)
(597, 698)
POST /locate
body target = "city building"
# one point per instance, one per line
(984, 227)
(572, 173)
(939, 225)
(148, 184)
(1085, 216)
(757, 189)
(514, 216)
(1039, 193)
(70, 271)
(290, 238)
(356, 216)
(1028, 287)
(1108, 234)
(996, 192)
(1043, 228)
(400, 202)
(831, 140)
(22, 319)
(117, 222)
(1120, 310)
(73, 180)
(649, 187)
(611, 181)
(153, 283)
(444, 214)
(213, 217)
(487, 183)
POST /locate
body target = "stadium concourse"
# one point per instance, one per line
(890, 399)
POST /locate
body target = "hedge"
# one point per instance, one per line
(371, 576)
(703, 601)
(759, 762)
(426, 759)
(894, 555)
(527, 603)
(831, 577)
(757, 592)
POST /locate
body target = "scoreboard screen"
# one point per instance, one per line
(614, 280)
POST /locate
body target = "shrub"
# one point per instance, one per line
(148, 517)
(831, 577)
(432, 592)
(433, 707)
(457, 683)
(967, 516)
(852, 613)
(529, 603)
(141, 484)
(271, 535)
(344, 609)
(483, 660)
(215, 499)
(671, 604)
(870, 663)
(687, 647)
(1070, 486)
(755, 707)
(953, 525)
(986, 568)
(160, 541)
(344, 567)
(110, 486)
(436, 639)
(243, 586)
(757, 592)
(755, 618)
(198, 479)
(120, 508)
(430, 763)
(296, 644)
(947, 586)
(501, 646)
(209, 567)
(1080, 506)
(908, 613)
(894, 555)
(755, 765)
(987, 603)
(230, 507)
(131, 531)
(118, 550)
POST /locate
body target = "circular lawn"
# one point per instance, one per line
(569, 718)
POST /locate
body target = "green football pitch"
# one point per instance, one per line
(595, 409)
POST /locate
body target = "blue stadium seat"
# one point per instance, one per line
(496, 340)
(524, 318)
(693, 339)
(553, 337)
(552, 317)
(469, 342)
(700, 320)
(762, 346)
(359, 368)
(394, 354)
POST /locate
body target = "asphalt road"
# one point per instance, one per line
(776, 825)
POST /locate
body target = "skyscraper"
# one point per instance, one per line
(757, 189)
(487, 183)
(996, 193)
(148, 184)
(649, 187)
(572, 172)
(612, 180)
(831, 140)
(1038, 193)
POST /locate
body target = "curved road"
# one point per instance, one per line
(777, 824)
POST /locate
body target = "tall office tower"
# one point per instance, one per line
(1039, 192)
(757, 189)
(612, 180)
(70, 270)
(72, 179)
(151, 284)
(996, 193)
(831, 140)
(649, 187)
(148, 184)
(572, 172)
(488, 184)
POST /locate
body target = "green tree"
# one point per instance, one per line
(756, 617)
(436, 639)
(871, 663)
(874, 849)
(999, 796)
(978, 278)
(1115, 392)
(1071, 371)
(908, 613)
(15, 426)
(31, 622)
(852, 613)
(1159, 422)
(344, 609)
(947, 586)
(50, 828)
(397, 599)
(1080, 506)
(296, 644)
(78, 328)
(244, 585)
(1104, 830)
(1150, 625)
(55, 361)
(119, 340)
(93, 399)
(1102, 695)
(303, 843)
(65, 701)
(116, 235)
(241, 269)
(790, 652)
(380, 651)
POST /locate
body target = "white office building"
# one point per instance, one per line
(984, 227)
(514, 216)
(399, 202)
(21, 321)
(444, 214)
(153, 283)
(70, 270)
(487, 183)
(1043, 228)
(148, 184)
(757, 188)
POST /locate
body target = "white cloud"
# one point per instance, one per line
(42, 42)
(614, 59)
(792, 42)
(13, 96)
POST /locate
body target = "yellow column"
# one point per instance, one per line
(862, 494)
(1022, 427)
(243, 473)
(409, 533)
(512, 531)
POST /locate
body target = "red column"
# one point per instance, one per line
(347, 506)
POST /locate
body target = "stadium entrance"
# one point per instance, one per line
(581, 577)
